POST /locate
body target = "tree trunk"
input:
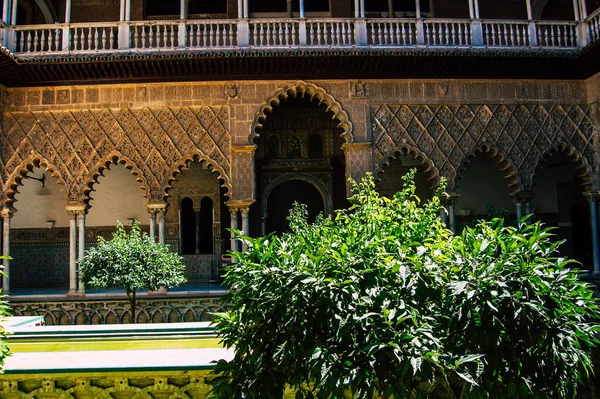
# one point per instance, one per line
(132, 299)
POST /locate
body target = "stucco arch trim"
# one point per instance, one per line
(16, 177)
(431, 171)
(321, 188)
(114, 159)
(511, 173)
(301, 88)
(206, 163)
(581, 164)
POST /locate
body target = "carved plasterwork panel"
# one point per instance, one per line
(358, 162)
(243, 173)
(447, 135)
(155, 142)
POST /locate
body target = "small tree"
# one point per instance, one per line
(133, 261)
(383, 300)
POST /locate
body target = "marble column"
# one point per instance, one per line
(152, 212)
(5, 11)
(233, 212)
(529, 10)
(593, 201)
(451, 208)
(162, 225)
(301, 8)
(245, 225)
(183, 9)
(81, 242)
(128, 10)
(72, 252)
(6, 216)
(14, 12)
(67, 11)
(576, 10)
(523, 202)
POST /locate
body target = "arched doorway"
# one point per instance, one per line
(197, 220)
(39, 235)
(559, 202)
(483, 192)
(282, 198)
(300, 141)
(390, 178)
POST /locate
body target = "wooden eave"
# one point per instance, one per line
(335, 63)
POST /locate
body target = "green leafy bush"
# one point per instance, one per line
(5, 311)
(383, 300)
(133, 261)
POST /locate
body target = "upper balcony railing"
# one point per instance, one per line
(185, 35)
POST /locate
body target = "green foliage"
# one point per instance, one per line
(5, 311)
(133, 261)
(383, 301)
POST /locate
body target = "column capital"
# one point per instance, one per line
(239, 205)
(155, 208)
(450, 198)
(592, 196)
(243, 149)
(7, 212)
(523, 196)
(347, 147)
(75, 207)
(156, 205)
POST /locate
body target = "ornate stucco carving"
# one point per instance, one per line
(155, 143)
(518, 135)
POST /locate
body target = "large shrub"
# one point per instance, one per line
(383, 300)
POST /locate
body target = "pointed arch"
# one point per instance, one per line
(506, 165)
(15, 179)
(431, 171)
(206, 163)
(318, 185)
(584, 169)
(101, 166)
(296, 89)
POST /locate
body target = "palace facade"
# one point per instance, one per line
(196, 116)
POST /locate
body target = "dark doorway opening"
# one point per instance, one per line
(282, 199)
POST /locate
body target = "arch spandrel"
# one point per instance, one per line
(296, 89)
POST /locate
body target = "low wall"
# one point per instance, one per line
(164, 310)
